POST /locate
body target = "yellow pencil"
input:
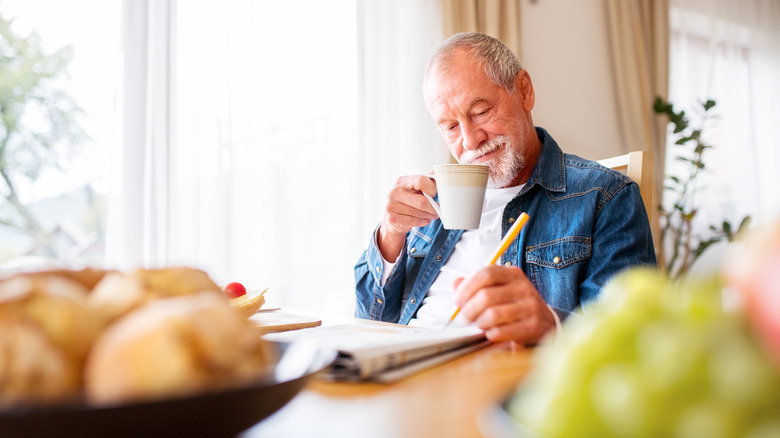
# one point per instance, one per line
(505, 242)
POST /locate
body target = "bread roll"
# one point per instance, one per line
(118, 293)
(175, 346)
(46, 331)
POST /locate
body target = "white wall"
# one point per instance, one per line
(566, 51)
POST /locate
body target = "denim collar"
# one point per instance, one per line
(550, 169)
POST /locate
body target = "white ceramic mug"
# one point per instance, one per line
(461, 189)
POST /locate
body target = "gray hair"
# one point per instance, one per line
(500, 64)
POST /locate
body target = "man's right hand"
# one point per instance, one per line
(406, 208)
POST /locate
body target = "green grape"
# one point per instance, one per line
(653, 358)
(706, 419)
(620, 388)
(637, 288)
(662, 355)
(738, 372)
(765, 429)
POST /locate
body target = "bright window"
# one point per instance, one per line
(727, 51)
(218, 134)
(60, 214)
(254, 140)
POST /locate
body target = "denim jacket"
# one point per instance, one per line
(587, 222)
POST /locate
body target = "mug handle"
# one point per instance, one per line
(434, 204)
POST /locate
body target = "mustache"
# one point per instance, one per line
(468, 157)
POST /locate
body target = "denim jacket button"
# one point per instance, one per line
(413, 300)
(508, 264)
(379, 301)
(413, 250)
(438, 258)
(556, 260)
(511, 219)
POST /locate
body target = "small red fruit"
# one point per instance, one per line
(235, 290)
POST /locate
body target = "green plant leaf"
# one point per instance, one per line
(683, 140)
(744, 224)
(704, 245)
(661, 107)
(742, 229)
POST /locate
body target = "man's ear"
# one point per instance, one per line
(524, 86)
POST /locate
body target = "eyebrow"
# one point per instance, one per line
(476, 101)
(471, 105)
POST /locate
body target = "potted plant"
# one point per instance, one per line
(682, 245)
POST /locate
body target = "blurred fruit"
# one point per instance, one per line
(650, 358)
(247, 304)
(235, 290)
(753, 268)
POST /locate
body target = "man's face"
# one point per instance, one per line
(480, 121)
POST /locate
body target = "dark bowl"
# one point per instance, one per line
(215, 414)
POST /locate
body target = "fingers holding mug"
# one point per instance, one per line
(406, 208)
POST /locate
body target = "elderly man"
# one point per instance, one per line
(587, 222)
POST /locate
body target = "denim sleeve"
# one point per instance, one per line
(621, 239)
(373, 300)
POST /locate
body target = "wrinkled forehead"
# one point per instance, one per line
(453, 71)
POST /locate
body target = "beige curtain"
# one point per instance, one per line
(639, 43)
(498, 18)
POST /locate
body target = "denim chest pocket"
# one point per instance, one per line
(559, 253)
(557, 267)
(418, 244)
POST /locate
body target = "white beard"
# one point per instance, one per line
(504, 167)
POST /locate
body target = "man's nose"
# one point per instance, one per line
(473, 136)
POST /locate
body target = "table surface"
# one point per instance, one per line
(454, 399)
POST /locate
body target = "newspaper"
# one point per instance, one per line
(383, 352)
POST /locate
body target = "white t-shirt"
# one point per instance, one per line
(472, 252)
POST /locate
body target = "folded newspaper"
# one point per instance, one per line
(383, 352)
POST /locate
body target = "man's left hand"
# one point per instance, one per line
(504, 303)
